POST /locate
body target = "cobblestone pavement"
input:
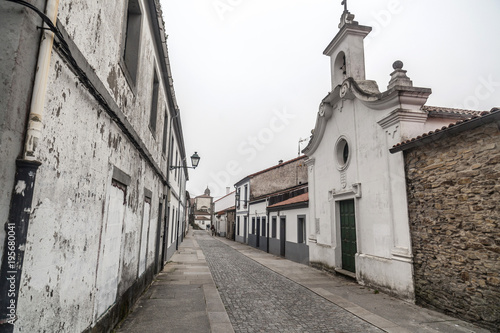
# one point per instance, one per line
(260, 300)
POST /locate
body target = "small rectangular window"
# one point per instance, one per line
(253, 226)
(176, 163)
(239, 199)
(132, 38)
(171, 152)
(165, 138)
(245, 202)
(273, 227)
(154, 104)
(238, 227)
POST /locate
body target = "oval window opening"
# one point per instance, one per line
(345, 154)
(342, 153)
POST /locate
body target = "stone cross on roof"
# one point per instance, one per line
(344, 2)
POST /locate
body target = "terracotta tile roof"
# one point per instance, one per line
(436, 111)
(298, 199)
(202, 218)
(221, 212)
(460, 125)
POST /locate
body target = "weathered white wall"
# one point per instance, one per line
(242, 211)
(258, 209)
(291, 222)
(109, 260)
(85, 242)
(225, 202)
(221, 204)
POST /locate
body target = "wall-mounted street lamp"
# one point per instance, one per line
(195, 159)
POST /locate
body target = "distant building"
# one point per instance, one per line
(89, 130)
(224, 212)
(256, 192)
(203, 208)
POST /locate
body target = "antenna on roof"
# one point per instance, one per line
(300, 141)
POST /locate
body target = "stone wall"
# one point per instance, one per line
(454, 210)
(279, 178)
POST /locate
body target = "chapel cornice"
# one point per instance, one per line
(403, 99)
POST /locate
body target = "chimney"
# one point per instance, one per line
(280, 161)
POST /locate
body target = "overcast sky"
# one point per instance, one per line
(249, 74)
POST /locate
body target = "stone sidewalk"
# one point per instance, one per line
(183, 298)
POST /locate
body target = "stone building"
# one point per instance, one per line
(357, 190)
(453, 204)
(90, 129)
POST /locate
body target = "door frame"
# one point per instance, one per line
(341, 263)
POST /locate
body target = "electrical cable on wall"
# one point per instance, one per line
(64, 50)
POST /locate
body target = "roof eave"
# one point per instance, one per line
(493, 117)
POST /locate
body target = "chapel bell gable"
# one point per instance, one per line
(346, 50)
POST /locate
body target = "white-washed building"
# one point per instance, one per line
(223, 217)
(89, 129)
(241, 204)
(357, 190)
(287, 234)
(256, 192)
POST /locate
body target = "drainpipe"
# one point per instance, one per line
(16, 228)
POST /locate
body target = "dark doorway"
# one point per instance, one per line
(158, 239)
(257, 233)
(245, 226)
(282, 235)
(348, 235)
(165, 236)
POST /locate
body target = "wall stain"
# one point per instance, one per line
(58, 112)
(58, 68)
(112, 82)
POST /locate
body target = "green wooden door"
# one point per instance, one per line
(348, 235)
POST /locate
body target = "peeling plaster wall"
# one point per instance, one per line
(101, 42)
(79, 149)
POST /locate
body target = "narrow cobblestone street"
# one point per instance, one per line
(260, 300)
(213, 284)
